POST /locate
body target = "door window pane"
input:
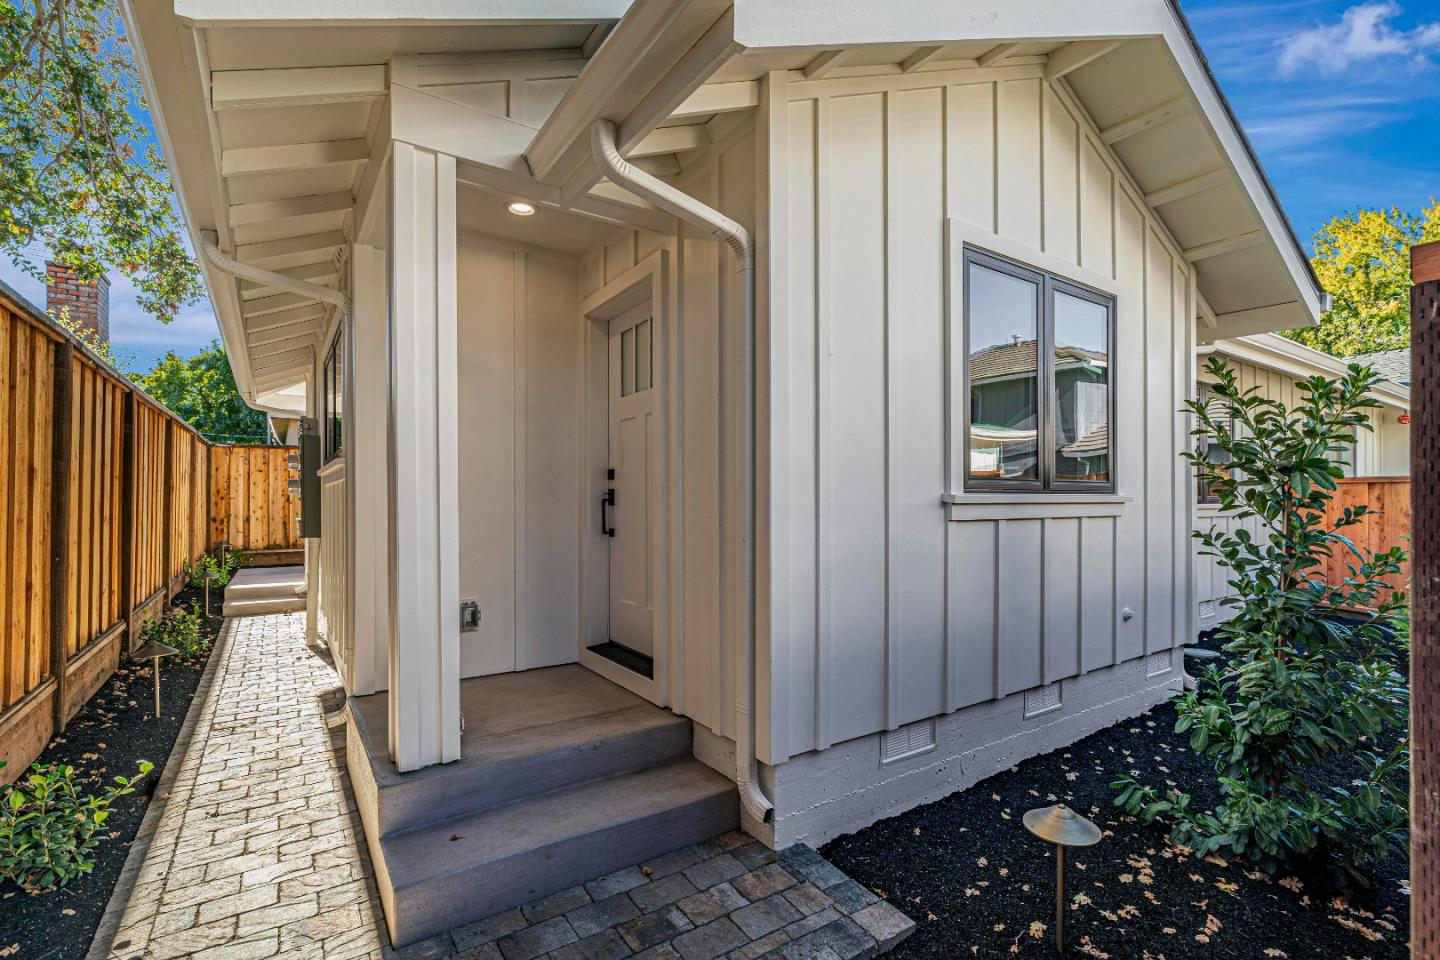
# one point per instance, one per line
(1004, 410)
(642, 356)
(627, 362)
(1082, 389)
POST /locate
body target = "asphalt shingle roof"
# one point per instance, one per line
(1393, 365)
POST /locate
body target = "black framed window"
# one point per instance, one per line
(333, 400)
(1039, 379)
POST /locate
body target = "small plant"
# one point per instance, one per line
(179, 627)
(209, 565)
(49, 829)
(1294, 719)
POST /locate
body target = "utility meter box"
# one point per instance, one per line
(309, 479)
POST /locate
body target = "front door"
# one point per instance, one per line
(634, 480)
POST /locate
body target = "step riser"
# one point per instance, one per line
(417, 802)
(484, 889)
(255, 608)
(261, 591)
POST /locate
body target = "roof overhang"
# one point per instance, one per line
(1285, 356)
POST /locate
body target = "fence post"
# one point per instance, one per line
(1425, 602)
(167, 514)
(60, 559)
(128, 467)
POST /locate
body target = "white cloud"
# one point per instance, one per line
(1364, 32)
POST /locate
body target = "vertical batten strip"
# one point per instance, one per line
(519, 334)
(824, 314)
(890, 256)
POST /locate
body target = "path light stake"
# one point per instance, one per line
(1065, 828)
(154, 650)
(209, 575)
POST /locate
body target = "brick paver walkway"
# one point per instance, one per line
(258, 853)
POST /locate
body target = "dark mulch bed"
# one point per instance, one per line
(977, 883)
(109, 737)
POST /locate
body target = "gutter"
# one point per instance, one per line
(737, 238)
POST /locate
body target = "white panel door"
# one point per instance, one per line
(635, 481)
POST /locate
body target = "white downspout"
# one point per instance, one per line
(223, 261)
(737, 238)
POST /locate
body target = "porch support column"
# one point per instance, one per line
(367, 475)
(424, 503)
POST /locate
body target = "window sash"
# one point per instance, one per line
(1047, 388)
(330, 387)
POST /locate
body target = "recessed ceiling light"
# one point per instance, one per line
(520, 208)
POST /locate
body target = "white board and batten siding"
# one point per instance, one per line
(885, 605)
(704, 623)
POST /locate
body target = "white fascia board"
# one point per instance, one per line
(1286, 356)
(837, 24)
(330, 13)
(162, 50)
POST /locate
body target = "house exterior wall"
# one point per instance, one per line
(705, 625)
(879, 613)
(519, 474)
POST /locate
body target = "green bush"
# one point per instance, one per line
(49, 829)
(179, 627)
(1295, 718)
(208, 564)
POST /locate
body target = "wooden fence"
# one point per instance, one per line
(87, 557)
(1388, 499)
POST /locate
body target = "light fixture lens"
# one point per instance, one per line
(521, 209)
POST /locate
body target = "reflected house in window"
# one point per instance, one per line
(1082, 422)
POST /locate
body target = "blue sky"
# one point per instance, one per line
(1341, 99)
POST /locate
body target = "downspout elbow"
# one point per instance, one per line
(222, 261)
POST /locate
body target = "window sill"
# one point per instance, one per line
(960, 507)
(337, 465)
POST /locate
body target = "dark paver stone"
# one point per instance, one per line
(661, 951)
(765, 916)
(821, 873)
(845, 938)
(594, 917)
(658, 893)
(486, 951)
(537, 940)
(606, 945)
(710, 941)
(800, 928)
(759, 884)
(717, 869)
(645, 932)
(761, 947)
(712, 904)
(800, 853)
(885, 923)
(850, 896)
(538, 911)
(733, 839)
(670, 863)
(754, 855)
(617, 882)
(491, 928)
(808, 898)
(434, 948)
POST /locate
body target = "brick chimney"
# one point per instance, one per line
(88, 303)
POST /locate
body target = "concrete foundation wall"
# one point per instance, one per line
(821, 795)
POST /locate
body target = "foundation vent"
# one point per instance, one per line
(1042, 700)
(1208, 609)
(1158, 663)
(908, 741)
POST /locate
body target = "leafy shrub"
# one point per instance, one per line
(179, 627)
(1294, 718)
(49, 829)
(208, 564)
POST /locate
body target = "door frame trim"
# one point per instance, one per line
(650, 279)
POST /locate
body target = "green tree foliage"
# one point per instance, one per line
(79, 173)
(1363, 260)
(1296, 719)
(201, 391)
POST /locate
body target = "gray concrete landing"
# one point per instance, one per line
(254, 591)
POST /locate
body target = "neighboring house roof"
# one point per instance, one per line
(1296, 360)
(1393, 365)
(1096, 441)
(1017, 358)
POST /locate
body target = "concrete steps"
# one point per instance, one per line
(254, 591)
(563, 777)
(464, 869)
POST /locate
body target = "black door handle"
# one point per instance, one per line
(606, 502)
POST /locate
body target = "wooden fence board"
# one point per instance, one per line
(143, 495)
(1386, 525)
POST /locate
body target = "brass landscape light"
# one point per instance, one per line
(153, 651)
(1065, 828)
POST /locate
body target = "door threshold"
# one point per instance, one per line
(627, 658)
